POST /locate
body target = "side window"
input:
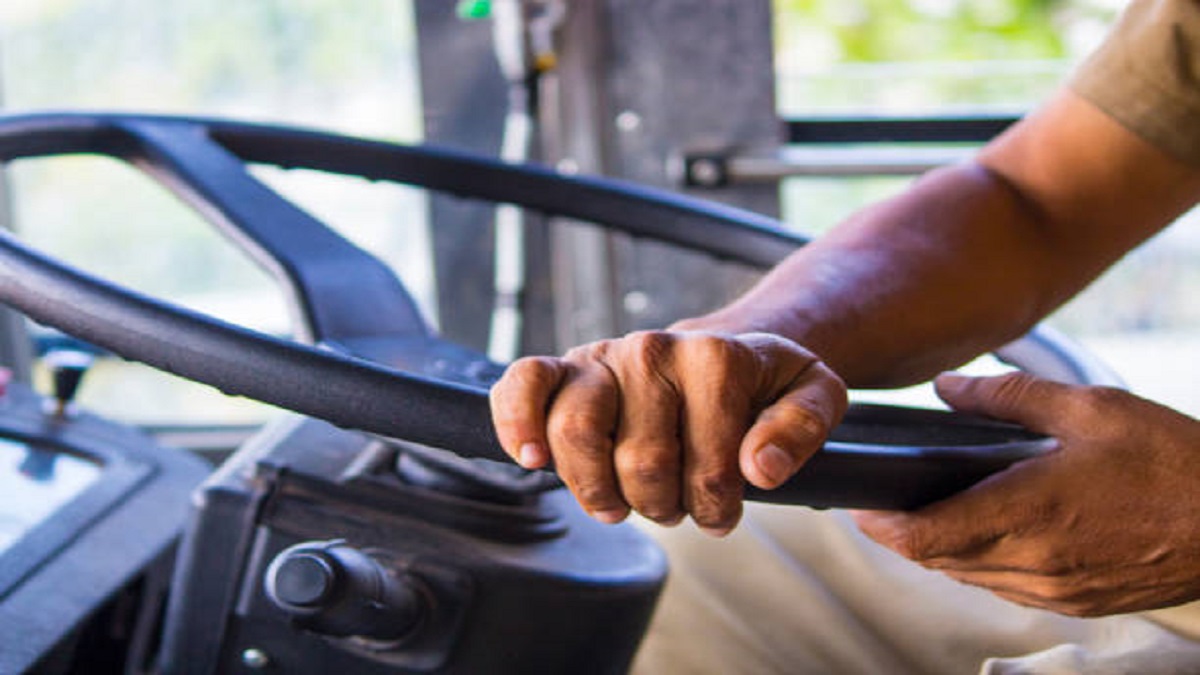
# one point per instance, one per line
(325, 64)
(865, 59)
(963, 58)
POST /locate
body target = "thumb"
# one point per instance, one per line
(790, 430)
(1018, 397)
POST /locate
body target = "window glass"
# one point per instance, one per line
(884, 57)
(349, 68)
(919, 57)
(926, 57)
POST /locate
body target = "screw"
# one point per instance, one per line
(636, 302)
(255, 658)
(567, 166)
(705, 172)
(629, 121)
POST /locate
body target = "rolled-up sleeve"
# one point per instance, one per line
(1146, 75)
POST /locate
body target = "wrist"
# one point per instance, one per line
(725, 322)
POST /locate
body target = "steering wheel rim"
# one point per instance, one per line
(204, 161)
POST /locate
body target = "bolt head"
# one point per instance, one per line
(255, 658)
(629, 121)
(705, 172)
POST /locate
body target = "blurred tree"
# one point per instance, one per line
(915, 55)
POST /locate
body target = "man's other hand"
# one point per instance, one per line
(1106, 523)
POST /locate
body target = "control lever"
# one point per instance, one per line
(332, 588)
(67, 369)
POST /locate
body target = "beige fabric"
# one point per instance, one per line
(798, 591)
(1147, 75)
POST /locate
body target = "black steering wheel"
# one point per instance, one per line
(371, 362)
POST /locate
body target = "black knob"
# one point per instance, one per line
(332, 588)
(303, 579)
(67, 368)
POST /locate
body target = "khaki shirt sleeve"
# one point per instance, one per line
(1146, 75)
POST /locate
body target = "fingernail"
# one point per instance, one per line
(611, 517)
(529, 455)
(774, 462)
(717, 532)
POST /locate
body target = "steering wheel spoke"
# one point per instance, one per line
(324, 273)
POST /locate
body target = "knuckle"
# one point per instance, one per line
(534, 369)
(580, 432)
(801, 424)
(834, 385)
(648, 342)
(714, 495)
(801, 359)
(522, 374)
(1012, 387)
(540, 370)
(1097, 402)
(648, 349)
(1052, 567)
(591, 351)
(808, 422)
(721, 485)
(909, 542)
(505, 413)
(1060, 590)
(717, 350)
(719, 520)
(1091, 411)
(647, 468)
(1047, 589)
(595, 495)
(718, 514)
(904, 544)
(1106, 396)
(726, 363)
(659, 513)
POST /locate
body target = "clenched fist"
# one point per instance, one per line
(669, 424)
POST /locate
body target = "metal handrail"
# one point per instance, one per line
(846, 146)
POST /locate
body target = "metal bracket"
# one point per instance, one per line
(708, 169)
(844, 146)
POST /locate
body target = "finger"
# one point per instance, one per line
(921, 537)
(795, 426)
(1022, 553)
(1086, 594)
(647, 452)
(580, 425)
(1015, 589)
(1016, 397)
(1068, 595)
(716, 418)
(1004, 505)
(519, 401)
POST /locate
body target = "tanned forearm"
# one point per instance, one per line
(972, 255)
(875, 293)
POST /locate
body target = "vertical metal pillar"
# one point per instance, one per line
(636, 84)
(464, 99)
(642, 81)
(576, 138)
